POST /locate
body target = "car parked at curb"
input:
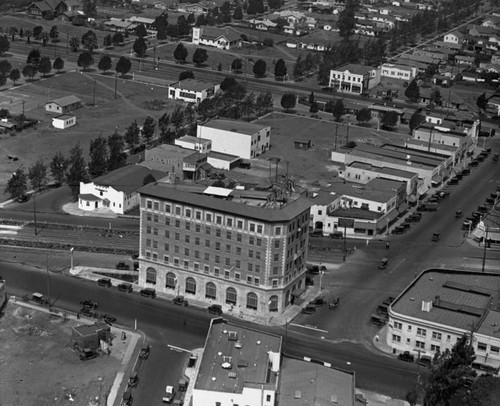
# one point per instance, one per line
(180, 301)
(125, 287)
(145, 350)
(106, 282)
(406, 356)
(309, 309)
(122, 266)
(215, 309)
(148, 292)
(89, 304)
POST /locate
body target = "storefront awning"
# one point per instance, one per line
(298, 292)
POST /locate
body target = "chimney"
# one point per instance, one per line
(437, 300)
(426, 306)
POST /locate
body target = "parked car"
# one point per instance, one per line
(125, 287)
(133, 380)
(318, 302)
(467, 224)
(180, 301)
(425, 361)
(89, 313)
(378, 319)
(40, 299)
(436, 236)
(466, 172)
(337, 235)
(106, 282)
(406, 356)
(127, 399)
(122, 266)
(108, 319)
(215, 309)
(316, 233)
(148, 292)
(169, 394)
(309, 309)
(309, 281)
(145, 350)
(458, 214)
(312, 269)
(90, 304)
(87, 354)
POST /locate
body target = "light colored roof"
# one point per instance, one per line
(141, 20)
(66, 101)
(193, 140)
(384, 170)
(248, 361)
(63, 117)
(490, 326)
(192, 85)
(354, 68)
(318, 385)
(239, 127)
(459, 298)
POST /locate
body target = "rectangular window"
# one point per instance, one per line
(256, 281)
(206, 269)
(188, 213)
(197, 241)
(277, 231)
(259, 242)
(186, 252)
(240, 224)
(165, 259)
(482, 346)
(216, 271)
(149, 204)
(207, 256)
(226, 274)
(218, 232)
(148, 230)
(187, 239)
(237, 276)
(167, 221)
(187, 226)
(227, 262)
(275, 283)
(435, 348)
(177, 236)
(218, 220)
(217, 246)
(250, 253)
(257, 268)
(197, 215)
(238, 250)
(238, 264)
(436, 336)
(207, 243)
(276, 257)
(275, 270)
(251, 241)
(398, 325)
(420, 344)
(228, 248)
(148, 243)
(421, 332)
(229, 222)
(228, 235)
(257, 255)
(239, 237)
(396, 338)
(177, 223)
(167, 247)
(217, 259)
(168, 208)
(208, 230)
(249, 279)
(155, 218)
(494, 350)
(252, 227)
(250, 267)
(177, 210)
(197, 228)
(208, 217)
(259, 229)
(197, 254)
(276, 243)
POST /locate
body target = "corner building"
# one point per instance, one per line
(241, 249)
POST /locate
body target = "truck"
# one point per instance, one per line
(169, 394)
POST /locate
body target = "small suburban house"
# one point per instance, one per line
(455, 37)
(394, 71)
(192, 90)
(245, 140)
(115, 191)
(353, 78)
(222, 38)
(63, 105)
(64, 121)
(57, 7)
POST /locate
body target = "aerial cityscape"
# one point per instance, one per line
(249, 203)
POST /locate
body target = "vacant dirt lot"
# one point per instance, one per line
(38, 366)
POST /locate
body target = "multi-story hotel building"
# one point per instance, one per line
(243, 249)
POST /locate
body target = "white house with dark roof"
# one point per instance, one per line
(115, 191)
(440, 306)
(222, 38)
(354, 78)
(455, 37)
(63, 105)
(192, 90)
(246, 140)
(398, 71)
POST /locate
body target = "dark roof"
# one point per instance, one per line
(354, 68)
(66, 101)
(127, 179)
(192, 85)
(270, 213)
(214, 32)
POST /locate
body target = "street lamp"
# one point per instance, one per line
(71, 257)
(116, 82)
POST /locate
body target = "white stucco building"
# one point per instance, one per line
(222, 38)
(194, 143)
(354, 78)
(192, 90)
(64, 121)
(394, 71)
(246, 140)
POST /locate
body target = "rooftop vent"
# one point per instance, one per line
(238, 345)
(226, 365)
(426, 306)
(334, 399)
(233, 336)
(258, 342)
(297, 394)
(232, 375)
(242, 363)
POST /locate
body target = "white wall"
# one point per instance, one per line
(115, 197)
(227, 142)
(249, 397)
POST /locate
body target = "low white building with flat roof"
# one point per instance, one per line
(195, 143)
(192, 90)
(246, 140)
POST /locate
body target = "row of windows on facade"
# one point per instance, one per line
(250, 279)
(394, 73)
(437, 141)
(418, 344)
(231, 296)
(348, 78)
(422, 332)
(187, 95)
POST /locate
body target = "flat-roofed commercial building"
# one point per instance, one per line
(240, 366)
(440, 306)
(243, 249)
(192, 90)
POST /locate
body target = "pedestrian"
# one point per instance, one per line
(78, 316)
(367, 242)
(124, 336)
(387, 245)
(376, 338)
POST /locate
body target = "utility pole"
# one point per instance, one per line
(48, 276)
(34, 211)
(93, 94)
(485, 242)
(116, 82)
(336, 134)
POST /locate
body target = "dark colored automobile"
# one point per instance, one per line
(406, 356)
(436, 237)
(215, 309)
(180, 301)
(122, 266)
(145, 350)
(89, 313)
(108, 319)
(309, 309)
(22, 198)
(309, 281)
(106, 282)
(89, 304)
(125, 287)
(87, 354)
(133, 380)
(312, 269)
(466, 172)
(148, 292)
(318, 302)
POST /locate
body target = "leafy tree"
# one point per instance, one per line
(74, 44)
(280, 69)
(238, 13)
(45, 65)
(58, 167)
(346, 21)
(187, 74)
(90, 8)
(163, 123)
(117, 158)
(54, 33)
(200, 56)
(288, 101)
(201, 20)
(161, 20)
(105, 63)
(182, 25)
(180, 53)
(235, 92)
(416, 119)
(148, 129)
(98, 164)
(275, 4)
(140, 47)
(108, 40)
(37, 31)
(15, 75)
(58, 64)
(5, 67)
(38, 174)
(482, 102)
(123, 65)
(390, 119)
(78, 20)
(89, 41)
(132, 135)
(191, 19)
(141, 31)
(77, 169)
(173, 31)
(338, 110)
(177, 118)
(17, 184)
(85, 60)
(4, 44)
(436, 97)
(33, 57)
(312, 97)
(259, 68)
(264, 103)
(299, 67)
(364, 115)
(29, 71)
(313, 108)
(255, 7)
(237, 65)
(247, 105)
(412, 92)
(117, 38)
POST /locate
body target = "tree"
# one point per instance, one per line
(346, 22)
(117, 158)
(117, 38)
(312, 97)
(105, 63)
(98, 164)
(482, 102)
(85, 60)
(148, 129)
(436, 97)
(5, 67)
(275, 4)
(90, 8)
(288, 101)
(187, 74)
(247, 105)
(45, 65)
(123, 65)
(191, 19)
(201, 20)
(17, 184)
(54, 33)
(163, 123)
(33, 57)
(89, 41)
(77, 169)
(255, 7)
(338, 110)
(58, 167)
(140, 47)
(15, 75)
(4, 44)
(141, 31)
(74, 44)
(37, 32)
(177, 118)
(238, 13)
(200, 56)
(237, 65)
(29, 71)
(132, 135)
(313, 108)
(412, 92)
(161, 32)
(364, 115)
(417, 118)
(280, 69)
(180, 53)
(390, 119)
(38, 174)
(259, 68)
(173, 30)
(58, 64)
(183, 27)
(264, 103)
